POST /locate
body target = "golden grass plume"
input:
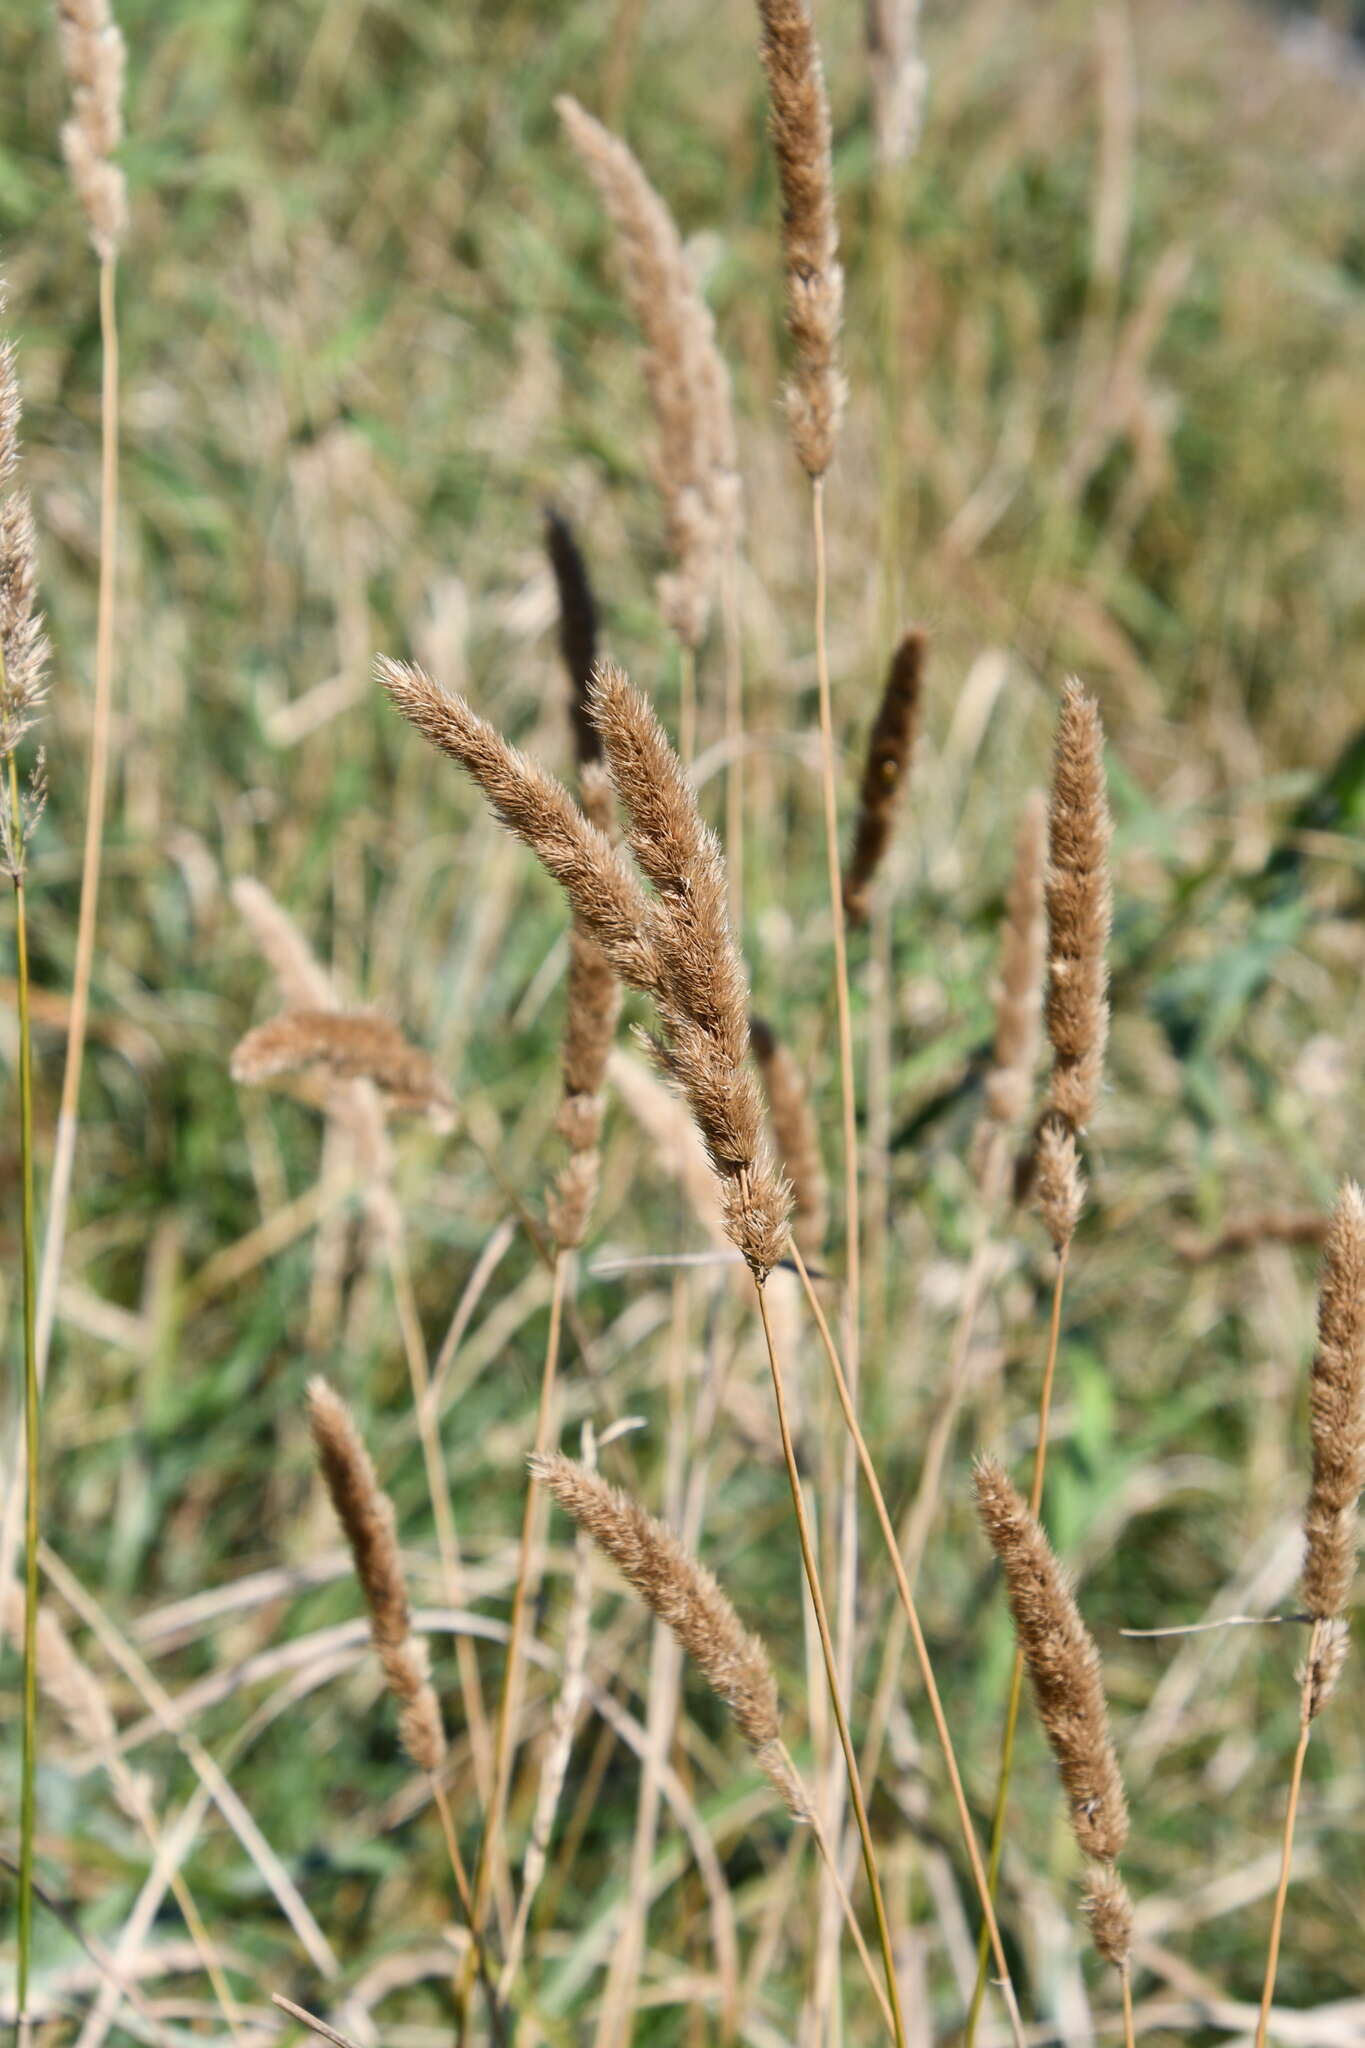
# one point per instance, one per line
(357, 1046)
(689, 1601)
(1079, 911)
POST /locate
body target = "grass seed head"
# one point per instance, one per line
(1337, 1412)
(890, 746)
(1079, 911)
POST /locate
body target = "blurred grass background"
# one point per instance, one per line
(370, 324)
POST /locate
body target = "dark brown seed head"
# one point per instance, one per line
(889, 749)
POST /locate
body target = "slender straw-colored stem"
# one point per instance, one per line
(1291, 1814)
(832, 1671)
(461, 1876)
(509, 1704)
(734, 736)
(687, 703)
(1126, 1983)
(847, 1084)
(851, 1919)
(29, 1764)
(928, 1679)
(68, 1114)
(438, 1486)
(1035, 1503)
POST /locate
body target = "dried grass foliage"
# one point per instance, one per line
(345, 1046)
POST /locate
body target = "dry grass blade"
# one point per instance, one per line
(796, 1135)
(689, 1601)
(354, 1047)
(1023, 963)
(890, 746)
(800, 126)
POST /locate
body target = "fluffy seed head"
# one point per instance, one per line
(1058, 1181)
(347, 1047)
(1109, 1910)
(890, 746)
(689, 387)
(1337, 1412)
(1063, 1665)
(899, 78)
(367, 1519)
(688, 1600)
(1079, 911)
(800, 127)
(93, 54)
(1329, 1660)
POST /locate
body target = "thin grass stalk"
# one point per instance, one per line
(851, 1920)
(68, 1113)
(509, 1702)
(930, 1682)
(438, 1486)
(1016, 1692)
(32, 1465)
(831, 1667)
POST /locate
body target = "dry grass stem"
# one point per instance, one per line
(93, 54)
(796, 1135)
(366, 1515)
(674, 944)
(800, 127)
(890, 746)
(1023, 964)
(1064, 1670)
(1264, 1226)
(1337, 1406)
(687, 1598)
(688, 384)
(899, 78)
(355, 1047)
(1079, 911)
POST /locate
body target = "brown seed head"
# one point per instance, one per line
(1337, 1412)
(1329, 1660)
(890, 746)
(1058, 1181)
(1109, 1910)
(1023, 961)
(577, 630)
(93, 54)
(1063, 1665)
(800, 127)
(689, 387)
(687, 1599)
(1079, 911)
(367, 1519)
(358, 1046)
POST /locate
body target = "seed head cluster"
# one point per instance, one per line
(672, 941)
(1337, 1413)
